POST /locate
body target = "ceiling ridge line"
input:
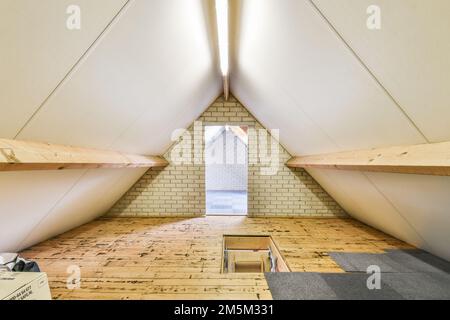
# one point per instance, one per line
(410, 120)
(75, 65)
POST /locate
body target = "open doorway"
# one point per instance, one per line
(226, 169)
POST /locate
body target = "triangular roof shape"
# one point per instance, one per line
(137, 70)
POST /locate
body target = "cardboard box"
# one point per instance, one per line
(24, 286)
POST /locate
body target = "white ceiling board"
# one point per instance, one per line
(309, 138)
(358, 196)
(92, 196)
(179, 112)
(409, 54)
(291, 46)
(26, 197)
(424, 201)
(37, 50)
(138, 70)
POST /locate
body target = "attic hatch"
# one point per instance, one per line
(251, 254)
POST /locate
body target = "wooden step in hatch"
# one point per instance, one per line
(251, 254)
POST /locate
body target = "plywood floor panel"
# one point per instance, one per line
(176, 258)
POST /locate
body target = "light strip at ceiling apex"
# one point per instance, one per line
(222, 30)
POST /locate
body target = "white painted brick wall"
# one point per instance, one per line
(179, 190)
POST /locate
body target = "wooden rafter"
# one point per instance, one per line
(428, 159)
(18, 155)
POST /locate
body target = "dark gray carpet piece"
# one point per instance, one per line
(326, 286)
(401, 261)
(299, 286)
(419, 286)
(353, 286)
(359, 262)
(405, 274)
(419, 261)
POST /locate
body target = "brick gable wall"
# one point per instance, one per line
(179, 189)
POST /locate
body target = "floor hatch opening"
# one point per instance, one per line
(250, 254)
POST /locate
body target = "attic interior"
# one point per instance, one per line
(327, 178)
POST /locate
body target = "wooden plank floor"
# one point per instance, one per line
(171, 258)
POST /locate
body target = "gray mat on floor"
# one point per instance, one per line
(405, 274)
(359, 262)
(419, 261)
(325, 286)
(419, 286)
(353, 286)
(299, 286)
(398, 261)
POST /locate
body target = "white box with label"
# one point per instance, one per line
(24, 286)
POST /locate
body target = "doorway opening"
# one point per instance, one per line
(226, 169)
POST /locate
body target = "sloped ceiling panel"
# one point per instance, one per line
(424, 201)
(153, 67)
(413, 208)
(38, 50)
(148, 62)
(363, 201)
(409, 54)
(289, 46)
(26, 198)
(295, 71)
(88, 199)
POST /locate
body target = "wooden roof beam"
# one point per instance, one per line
(16, 155)
(427, 159)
